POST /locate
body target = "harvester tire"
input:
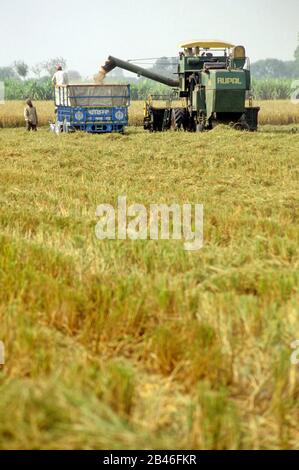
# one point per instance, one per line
(200, 128)
(179, 119)
(241, 126)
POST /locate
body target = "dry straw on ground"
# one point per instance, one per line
(121, 344)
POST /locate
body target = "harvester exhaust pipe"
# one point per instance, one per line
(113, 62)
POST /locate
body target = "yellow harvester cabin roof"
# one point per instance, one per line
(207, 44)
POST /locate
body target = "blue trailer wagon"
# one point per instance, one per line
(91, 108)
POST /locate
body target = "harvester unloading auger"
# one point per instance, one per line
(213, 77)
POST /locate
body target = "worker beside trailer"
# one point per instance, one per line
(30, 115)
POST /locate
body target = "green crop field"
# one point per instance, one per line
(141, 344)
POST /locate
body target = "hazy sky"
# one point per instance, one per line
(86, 32)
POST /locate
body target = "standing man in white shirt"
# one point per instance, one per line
(60, 79)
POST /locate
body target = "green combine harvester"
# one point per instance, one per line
(214, 80)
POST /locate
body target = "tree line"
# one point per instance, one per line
(274, 68)
(273, 89)
(20, 71)
(272, 78)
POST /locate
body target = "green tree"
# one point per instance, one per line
(21, 68)
(273, 68)
(166, 66)
(37, 69)
(7, 73)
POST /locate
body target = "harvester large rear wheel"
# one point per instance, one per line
(179, 119)
(200, 127)
(241, 126)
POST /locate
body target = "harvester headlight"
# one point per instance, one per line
(119, 115)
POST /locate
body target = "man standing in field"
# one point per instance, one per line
(30, 115)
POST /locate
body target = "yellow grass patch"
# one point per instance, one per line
(272, 112)
(122, 344)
